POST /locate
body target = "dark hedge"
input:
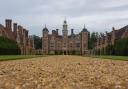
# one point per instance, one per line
(8, 47)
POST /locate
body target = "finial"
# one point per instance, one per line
(45, 25)
(65, 21)
(84, 25)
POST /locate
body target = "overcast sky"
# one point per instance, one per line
(97, 15)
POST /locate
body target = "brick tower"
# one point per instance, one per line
(45, 40)
(15, 27)
(84, 41)
(65, 37)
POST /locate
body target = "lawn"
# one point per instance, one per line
(15, 57)
(124, 58)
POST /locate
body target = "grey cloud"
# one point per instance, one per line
(97, 14)
(118, 8)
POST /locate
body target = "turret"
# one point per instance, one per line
(84, 29)
(65, 37)
(45, 32)
(84, 41)
(45, 41)
(65, 28)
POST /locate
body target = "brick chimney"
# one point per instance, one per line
(8, 24)
(15, 27)
(20, 29)
(113, 38)
(72, 31)
(57, 31)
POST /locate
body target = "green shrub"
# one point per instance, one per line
(121, 47)
(8, 47)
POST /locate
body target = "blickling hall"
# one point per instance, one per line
(65, 44)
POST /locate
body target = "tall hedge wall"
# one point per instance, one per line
(8, 47)
(121, 47)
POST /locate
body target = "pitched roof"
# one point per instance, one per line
(119, 33)
(45, 29)
(84, 29)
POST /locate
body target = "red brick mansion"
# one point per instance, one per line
(55, 43)
(64, 44)
(19, 34)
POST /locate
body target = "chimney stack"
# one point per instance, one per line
(15, 27)
(57, 31)
(8, 24)
(113, 28)
(20, 29)
(72, 31)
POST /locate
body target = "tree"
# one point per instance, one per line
(8, 47)
(110, 50)
(121, 47)
(37, 42)
(92, 40)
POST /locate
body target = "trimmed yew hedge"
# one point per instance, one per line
(8, 47)
(121, 47)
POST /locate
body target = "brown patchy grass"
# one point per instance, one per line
(64, 72)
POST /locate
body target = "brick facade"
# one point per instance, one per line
(109, 38)
(18, 34)
(65, 44)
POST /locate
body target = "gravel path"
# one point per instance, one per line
(64, 72)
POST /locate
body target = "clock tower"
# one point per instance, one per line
(65, 37)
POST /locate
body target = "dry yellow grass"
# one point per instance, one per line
(64, 72)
